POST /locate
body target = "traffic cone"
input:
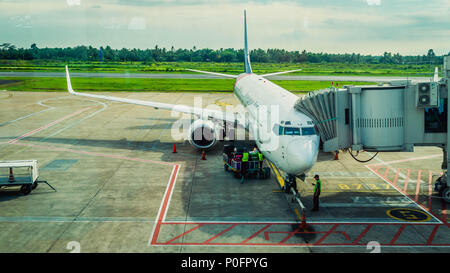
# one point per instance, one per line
(174, 150)
(11, 175)
(303, 222)
(336, 155)
(203, 155)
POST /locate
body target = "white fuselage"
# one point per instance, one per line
(285, 136)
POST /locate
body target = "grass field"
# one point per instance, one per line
(341, 69)
(133, 84)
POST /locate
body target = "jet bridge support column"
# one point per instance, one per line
(356, 114)
(445, 186)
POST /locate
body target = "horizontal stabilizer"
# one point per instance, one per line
(213, 73)
(279, 73)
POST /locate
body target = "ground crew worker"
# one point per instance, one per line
(260, 158)
(244, 163)
(317, 190)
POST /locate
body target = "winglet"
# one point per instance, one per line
(248, 67)
(69, 84)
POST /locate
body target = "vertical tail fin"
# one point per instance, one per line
(248, 67)
(436, 74)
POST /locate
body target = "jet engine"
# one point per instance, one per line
(202, 134)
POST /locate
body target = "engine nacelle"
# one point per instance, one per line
(202, 134)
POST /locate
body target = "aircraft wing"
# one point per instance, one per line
(199, 112)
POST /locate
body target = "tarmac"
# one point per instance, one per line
(119, 188)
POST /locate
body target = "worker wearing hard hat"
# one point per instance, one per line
(317, 190)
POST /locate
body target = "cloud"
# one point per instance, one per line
(373, 2)
(405, 26)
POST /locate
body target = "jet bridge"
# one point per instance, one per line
(389, 117)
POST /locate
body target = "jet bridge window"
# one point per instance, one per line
(436, 118)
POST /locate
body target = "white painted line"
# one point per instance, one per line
(301, 246)
(402, 160)
(366, 205)
(171, 192)
(24, 117)
(78, 121)
(162, 204)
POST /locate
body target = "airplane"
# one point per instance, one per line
(297, 143)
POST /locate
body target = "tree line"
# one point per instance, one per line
(157, 54)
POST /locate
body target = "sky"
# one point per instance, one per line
(408, 27)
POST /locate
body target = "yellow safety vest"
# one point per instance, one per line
(260, 156)
(245, 157)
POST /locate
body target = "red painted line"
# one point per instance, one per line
(433, 233)
(294, 244)
(256, 234)
(184, 233)
(362, 234)
(219, 234)
(289, 235)
(266, 233)
(326, 234)
(48, 125)
(377, 168)
(430, 189)
(344, 233)
(396, 176)
(419, 174)
(278, 223)
(444, 212)
(165, 202)
(386, 172)
(406, 181)
(400, 230)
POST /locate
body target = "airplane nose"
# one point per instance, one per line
(302, 154)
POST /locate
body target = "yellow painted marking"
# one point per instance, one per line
(220, 103)
(279, 178)
(408, 215)
(298, 214)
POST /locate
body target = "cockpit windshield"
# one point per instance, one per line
(293, 131)
(307, 131)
